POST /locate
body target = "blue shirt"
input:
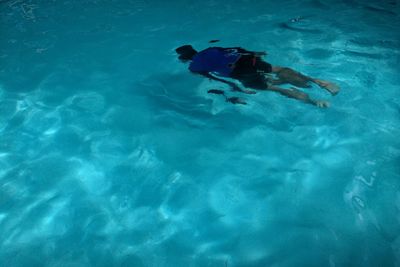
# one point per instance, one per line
(216, 60)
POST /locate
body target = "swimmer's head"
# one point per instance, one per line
(186, 52)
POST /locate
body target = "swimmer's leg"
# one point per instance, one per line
(287, 75)
(299, 95)
(329, 86)
(278, 81)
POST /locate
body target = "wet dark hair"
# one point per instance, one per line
(186, 52)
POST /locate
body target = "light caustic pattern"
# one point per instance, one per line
(113, 154)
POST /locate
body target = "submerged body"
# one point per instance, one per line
(252, 71)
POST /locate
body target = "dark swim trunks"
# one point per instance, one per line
(249, 70)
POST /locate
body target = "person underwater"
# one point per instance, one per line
(251, 71)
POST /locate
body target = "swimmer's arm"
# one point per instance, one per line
(233, 85)
(252, 53)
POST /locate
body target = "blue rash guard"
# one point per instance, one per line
(219, 61)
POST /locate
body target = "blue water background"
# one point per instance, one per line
(113, 154)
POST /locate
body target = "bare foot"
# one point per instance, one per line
(303, 96)
(329, 86)
(322, 103)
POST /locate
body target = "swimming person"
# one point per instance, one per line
(252, 71)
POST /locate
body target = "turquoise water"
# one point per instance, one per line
(113, 154)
